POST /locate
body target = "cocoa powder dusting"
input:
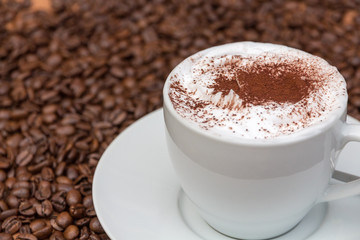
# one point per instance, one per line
(263, 83)
(176, 88)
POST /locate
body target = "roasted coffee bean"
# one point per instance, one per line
(25, 229)
(11, 225)
(37, 225)
(85, 188)
(95, 225)
(25, 236)
(65, 130)
(40, 228)
(94, 237)
(61, 187)
(60, 168)
(5, 236)
(84, 233)
(26, 208)
(103, 236)
(72, 172)
(2, 175)
(63, 219)
(58, 201)
(23, 176)
(2, 190)
(20, 192)
(3, 206)
(73, 197)
(44, 209)
(55, 225)
(82, 221)
(12, 201)
(77, 210)
(90, 212)
(9, 183)
(22, 184)
(57, 236)
(44, 190)
(71, 232)
(8, 213)
(5, 163)
(47, 174)
(63, 180)
(24, 158)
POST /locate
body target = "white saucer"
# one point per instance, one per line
(137, 196)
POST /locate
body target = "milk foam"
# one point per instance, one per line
(192, 96)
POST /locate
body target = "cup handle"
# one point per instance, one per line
(349, 133)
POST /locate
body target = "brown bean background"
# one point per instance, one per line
(74, 74)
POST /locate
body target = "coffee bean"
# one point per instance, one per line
(14, 140)
(72, 172)
(25, 236)
(55, 225)
(44, 190)
(2, 175)
(73, 197)
(11, 225)
(8, 213)
(2, 190)
(63, 219)
(82, 221)
(40, 228)
(12, 201)
(58, 201)
(5, 236)
(5, 163)
(60, 168)
(47, 174)
(103, 236)
(71, 232)
(22, 184)
(65, 130)
(44, 209)
(20, 192)
(355, 100)
(77, 210)
(22, 174)
(24, 158)
(95, 225)
(120, 118)
(85, 188)
(84, 233)
(94, 237)
(25, 228)
(9, 183)
(64, 187)
(57, 236)
(90, 212)
(3, 206)
(37, 167)
(64, 180)
(37, 225)
(26, 208)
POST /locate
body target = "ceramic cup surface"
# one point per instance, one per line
(257, 189)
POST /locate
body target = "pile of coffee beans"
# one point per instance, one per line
(74, 74)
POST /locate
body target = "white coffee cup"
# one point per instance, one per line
(253, 189)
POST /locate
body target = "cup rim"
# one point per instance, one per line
(296, 137)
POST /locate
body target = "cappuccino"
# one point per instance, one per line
(255, 90)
